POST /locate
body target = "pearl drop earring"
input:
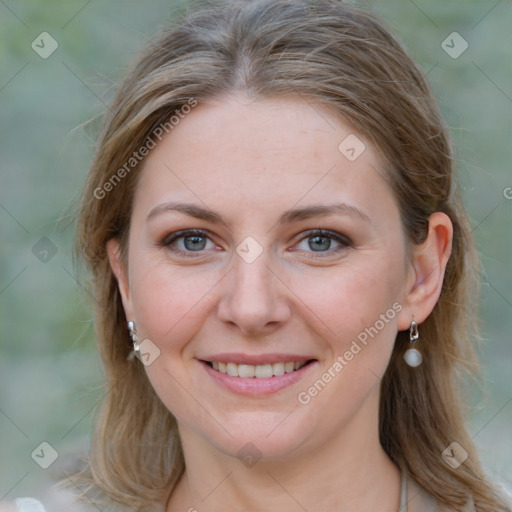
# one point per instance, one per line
(412, 356)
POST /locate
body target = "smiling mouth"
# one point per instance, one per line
(260, 371)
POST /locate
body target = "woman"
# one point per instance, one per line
(274, 230)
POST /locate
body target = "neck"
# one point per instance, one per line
(348, 472)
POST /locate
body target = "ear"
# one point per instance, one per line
(121, 273)
(425, 280)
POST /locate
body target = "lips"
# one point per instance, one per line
(257, 376)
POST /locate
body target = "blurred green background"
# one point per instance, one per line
(49, 370)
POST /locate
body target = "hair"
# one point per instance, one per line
(342, 58)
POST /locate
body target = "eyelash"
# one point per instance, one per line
(342, 239)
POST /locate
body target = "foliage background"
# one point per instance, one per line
(49, 370)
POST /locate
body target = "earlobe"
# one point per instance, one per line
(114, 256)
(428, 270)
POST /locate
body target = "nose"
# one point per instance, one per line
(254, 297)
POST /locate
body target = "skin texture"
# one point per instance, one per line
(250, 161)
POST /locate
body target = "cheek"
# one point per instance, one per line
(352, 298)
(168, 301)
(169, 308)
(360, 309)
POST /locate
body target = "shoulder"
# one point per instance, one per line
(51, 501)
(24, 504)
(419, 500)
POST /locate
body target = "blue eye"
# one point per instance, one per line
(193, 240)
(196, 241)
(320, 241)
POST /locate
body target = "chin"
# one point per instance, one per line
(263, 436)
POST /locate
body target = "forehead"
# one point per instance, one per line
(244, 155)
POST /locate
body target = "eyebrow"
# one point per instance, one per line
(289, 216)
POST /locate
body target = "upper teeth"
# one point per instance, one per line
(260, 371)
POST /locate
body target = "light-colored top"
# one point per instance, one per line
(413, 498)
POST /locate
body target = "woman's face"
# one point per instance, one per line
(258, 286)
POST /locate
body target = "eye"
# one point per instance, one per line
(320, 241)
(187, 242)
